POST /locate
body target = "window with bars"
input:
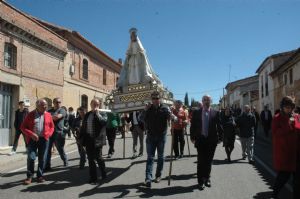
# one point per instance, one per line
(104, 77)
(85, 69)
(10, 56)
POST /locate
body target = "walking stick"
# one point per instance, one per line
(187, 140)
(124, 144)
(171, 156)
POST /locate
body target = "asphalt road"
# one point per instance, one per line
(238, 180)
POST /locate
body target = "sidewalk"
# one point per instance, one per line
(6, 158)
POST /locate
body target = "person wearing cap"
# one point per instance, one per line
(178, 128)
(155, 117)
(284, 140)
(205, 133)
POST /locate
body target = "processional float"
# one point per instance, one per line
(137, 81)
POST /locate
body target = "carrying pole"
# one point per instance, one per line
(171, 156)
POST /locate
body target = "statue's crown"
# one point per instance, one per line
(131, 30)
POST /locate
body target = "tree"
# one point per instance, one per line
(186, 100)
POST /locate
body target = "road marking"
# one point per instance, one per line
(19, 169)
(266, 167)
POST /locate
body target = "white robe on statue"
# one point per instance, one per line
(137, 68)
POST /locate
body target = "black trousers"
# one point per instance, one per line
(206, 151)
(178, 137)
(281, 179)
(95, 154)
(111, 136)
(16, 140)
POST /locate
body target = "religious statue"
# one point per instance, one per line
(136, 69)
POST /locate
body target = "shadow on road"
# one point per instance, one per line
(143, 191)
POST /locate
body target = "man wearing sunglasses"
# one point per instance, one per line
(156, 117)
(58, 138)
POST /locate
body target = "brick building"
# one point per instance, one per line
(89, 72)
(39, 60)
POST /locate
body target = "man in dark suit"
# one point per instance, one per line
(93, 137)
(205, 134)
(266, 120)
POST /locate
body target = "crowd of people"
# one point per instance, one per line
(42, 128)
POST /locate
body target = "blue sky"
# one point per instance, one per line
(191, 44)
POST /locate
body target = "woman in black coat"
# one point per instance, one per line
(228, 125)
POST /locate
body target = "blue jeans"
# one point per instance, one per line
(154, 142)
(39, 149)
(59, 140)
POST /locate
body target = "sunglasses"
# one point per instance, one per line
(155, 98)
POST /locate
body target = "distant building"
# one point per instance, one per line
(242, 92)
(266, 84)
(286, 78)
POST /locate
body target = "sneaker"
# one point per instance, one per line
(134, 156)
(12, 153)
(148, 183)
(27, 181)
(157, 179)
(41, 179)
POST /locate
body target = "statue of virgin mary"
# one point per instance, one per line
(136, 68)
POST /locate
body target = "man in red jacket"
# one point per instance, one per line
(37, 127)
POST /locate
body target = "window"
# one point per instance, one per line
(266, 83)
(84, 101)
(10, 56)
(117, 79)
(104, 77)
(85, 69)
(285, 78)
(291, 76)
(262, 86)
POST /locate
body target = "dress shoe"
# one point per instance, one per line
(251, 162)
(140, 155)
(109, 155)
(28, 181)
(41, 179)
(244, 158)
(148, 183)
(208, 183)
(93, 182)
(181, 156)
